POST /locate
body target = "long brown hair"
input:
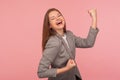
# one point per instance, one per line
(47, 31)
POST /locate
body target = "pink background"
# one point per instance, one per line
(20, 37)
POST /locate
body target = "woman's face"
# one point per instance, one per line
(56, 20)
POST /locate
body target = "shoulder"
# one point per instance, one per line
(69, 32)
(53, 41)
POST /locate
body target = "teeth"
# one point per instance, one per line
(59, 22)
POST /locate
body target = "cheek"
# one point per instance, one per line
(62, 18)
(52, 23)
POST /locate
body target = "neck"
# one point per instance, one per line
(61, 32)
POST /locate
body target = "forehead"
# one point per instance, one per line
(53, 13)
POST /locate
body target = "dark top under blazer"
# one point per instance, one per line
(56, 54)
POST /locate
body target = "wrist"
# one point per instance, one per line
(94, 18)
(94, 23)
(66, 68)
(62, 70)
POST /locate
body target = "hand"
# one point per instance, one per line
(70, 64)
(93, 13)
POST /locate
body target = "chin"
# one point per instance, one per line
(60, 27)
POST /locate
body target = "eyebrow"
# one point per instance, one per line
(54, 16)
(58, 14)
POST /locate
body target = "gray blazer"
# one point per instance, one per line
(57, 53)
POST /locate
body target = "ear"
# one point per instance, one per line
(50, 26)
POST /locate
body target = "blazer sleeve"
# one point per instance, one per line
(86, 42)
(49, 54)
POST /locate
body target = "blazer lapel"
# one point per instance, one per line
(65, 45)
(70, 42)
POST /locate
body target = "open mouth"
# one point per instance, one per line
(59, 23)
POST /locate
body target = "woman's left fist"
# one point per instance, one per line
(93, 13)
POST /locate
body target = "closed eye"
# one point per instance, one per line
(59, 15)
(52, 18)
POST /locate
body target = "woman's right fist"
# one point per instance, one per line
(70, 64)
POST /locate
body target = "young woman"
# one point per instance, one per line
(58, 45)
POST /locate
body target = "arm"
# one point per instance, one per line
(86, 42)
(49, 54)
(90, 40)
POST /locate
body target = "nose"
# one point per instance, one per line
(57, 18)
